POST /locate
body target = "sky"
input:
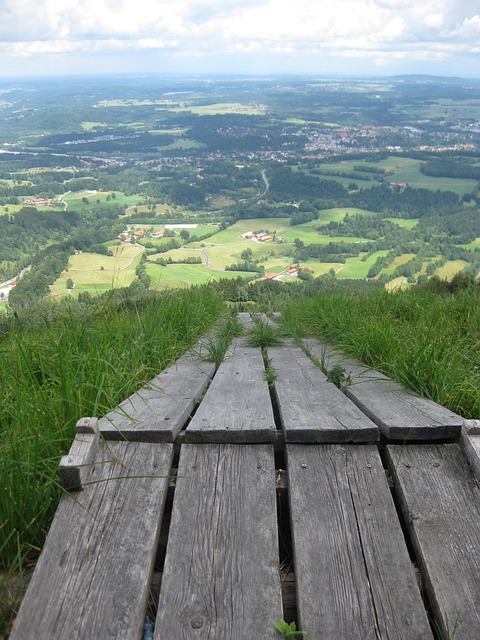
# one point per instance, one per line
(327, 37)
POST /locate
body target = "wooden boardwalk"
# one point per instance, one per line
(216, 506)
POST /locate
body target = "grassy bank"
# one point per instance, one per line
(76, 360)
(428, 341)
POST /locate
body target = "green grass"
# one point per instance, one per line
(75, 202)
(263, 334)
(399, 170)
(65, 361)
(97, 273)
(213, 347)
(408, 170)
(408, 223)
(356, 267)
(450, 268)
(338, 213)
(427, 341)
(183, 275)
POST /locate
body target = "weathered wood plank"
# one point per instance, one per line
(92, 578)
(353, 573)
(471, 444)
(245, 319)
(440, 501)
(75, 466)
(159, 411)
(221, 577)
(400, 413)
(237, 406)
(311, 408)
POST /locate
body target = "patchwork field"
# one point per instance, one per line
(97, 273)
(397, 169)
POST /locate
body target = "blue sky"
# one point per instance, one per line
(349, 37)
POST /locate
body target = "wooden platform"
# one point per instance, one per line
(217, 505)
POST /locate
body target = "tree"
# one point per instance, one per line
(70, 283)
(184, 234)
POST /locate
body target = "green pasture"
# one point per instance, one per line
(337, 214)
(146, 208)
(183, 275)
(399, 260)
(440, 109)
(397, 284)
(472, 245)
(408, 223)
(95, 272)
(178, 254)
(345, 166)
(223, 255)
(399, 169)
(356, 268)
(408, 170)
(221, 201)
(10, 208)
(96, 198)
(90, 126)
(183, 143)
(309, 235)
(450, 268)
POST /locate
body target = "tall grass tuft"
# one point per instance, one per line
(83, 364)
(428, 341)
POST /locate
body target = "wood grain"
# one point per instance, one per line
(159, 411)
(221, 577)
(237, 406)
(353, 573)
(93, 575)
(311, 408)
(401, 414)
(440, 501)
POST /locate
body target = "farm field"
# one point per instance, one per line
(399, 169)
(337, 214)
(356, 267)
(399, 260)
(97, 273)
(472, 245)
(184, 275)
(408, 223)
(450, 268)
(94, 198)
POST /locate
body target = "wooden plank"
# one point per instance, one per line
(159, 411)
(353, 573)
(93, 575)
(440, 500)
(237, 406)
(221, 577)
(311, 408)
(471, 444)
(74, 467)
(245, 319)
(400, 413)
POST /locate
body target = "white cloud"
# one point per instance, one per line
(387, 30)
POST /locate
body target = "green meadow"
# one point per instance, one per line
(95, 198)
(184, 275)
(398, 169)
(97, 273)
